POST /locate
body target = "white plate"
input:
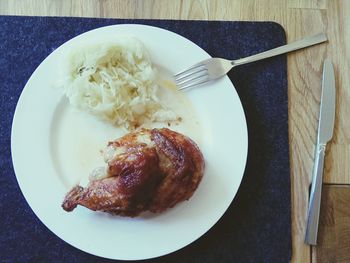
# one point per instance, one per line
(37, 126)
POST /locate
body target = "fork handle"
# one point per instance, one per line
(299, 44)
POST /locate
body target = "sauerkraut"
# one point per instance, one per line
(115, 80)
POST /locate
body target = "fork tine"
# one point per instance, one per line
(191, 85)
(192, 78)
(186, 71)
(195, 75)
(199, 71)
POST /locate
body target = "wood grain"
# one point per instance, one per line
(313, 4)
(299, 18)
(334, 231)
(336, 170)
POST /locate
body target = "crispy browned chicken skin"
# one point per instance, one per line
(148, 170)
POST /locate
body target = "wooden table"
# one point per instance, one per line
(299, 18)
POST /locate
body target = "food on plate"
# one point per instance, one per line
(115, 80)
(147, 170)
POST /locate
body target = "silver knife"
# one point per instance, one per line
(324, 135)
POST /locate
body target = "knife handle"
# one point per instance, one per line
(315, 197)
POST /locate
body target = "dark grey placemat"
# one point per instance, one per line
(256, 227)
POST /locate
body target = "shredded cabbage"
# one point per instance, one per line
(116, 82)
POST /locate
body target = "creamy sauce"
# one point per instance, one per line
(78, 138)
(178, 102)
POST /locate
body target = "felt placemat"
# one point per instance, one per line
(257, 225)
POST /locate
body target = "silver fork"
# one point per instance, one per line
(215, 68)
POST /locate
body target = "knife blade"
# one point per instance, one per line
(324, 135)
